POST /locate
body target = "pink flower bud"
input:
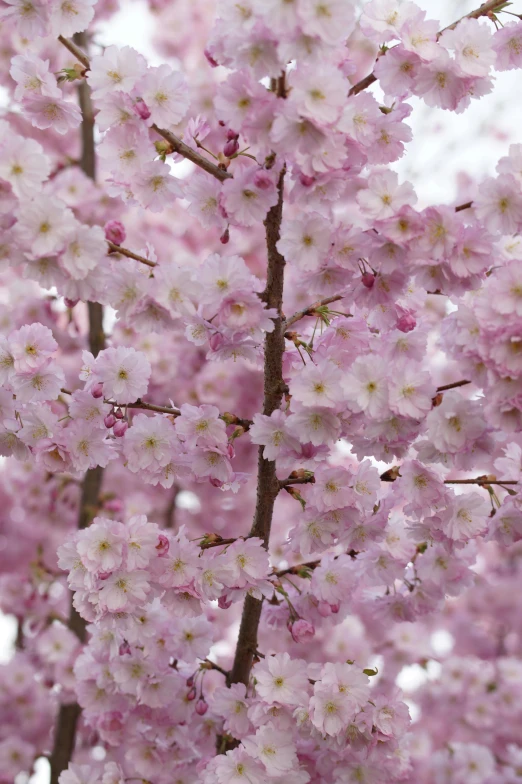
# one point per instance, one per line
(301, 630)
(406, 322)
(231, 134)
(216, 341)
(113, 505)
(141, 109)
(118, 413)
(115, 232)
(305, 180)
(120, 428)
(191, 695)
(225, 237)
(125, 648)
(262, 180)
(163, 545)
(368, 279)
(201, 707)
(324, 609)
(109, 421)
(224, 602)
(97, 390)
(335, 608)
(70, 303)
(230, 148)
(190, 681)
(215, 482)
(210, 59)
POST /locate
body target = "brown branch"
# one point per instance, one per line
(297, 568)
(176, 143)
(191, 155)
(68, 715)
(480, 481)
(210, 665)
(465, 206)
(267, 482)
(310, 310)
(484, 10)
(75, 51)
(455, 384)
(130, 254)
(297, 480)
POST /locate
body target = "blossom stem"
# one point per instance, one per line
(310, 310)
(130, 254)
(484, 10)
(455, 384)
(177, 145)
(301, 480)
(69, 713)
(267, 481)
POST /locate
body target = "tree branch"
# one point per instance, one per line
(455, 384)
(309, 311)
(69, 714)
(484, 10)
(267, 482)
(177, 145)
(130, 254)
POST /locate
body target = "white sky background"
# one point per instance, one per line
(444, 145)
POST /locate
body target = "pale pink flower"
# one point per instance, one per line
(331, 20)
(419, 35)
(85, 249)
(149, 443)
(305, 243)
(123, 591)
(31, 17)
(384, 196)
(272, 433)
(319, 93)
(44, 225)
(100, 546)
(43, 383)
(366, 386)
(383, 19)
(472, 43)
(116, 70)
(32, 77)
(124, 373)
(88, 446)
(466, 517)
(237, 767)
(247, 562)
(411, 391)
(71, 16)
(275, 749)
(333, 579)
(79, 774)
(200, 426)
(52, 112)
(31, 345)
(281, 679)
(318, 385)
(330, 713)
(315, 425)
(23, 165)
(154, 186)
(507, 43)
(232, 705)
(499, 204)
(165, 93)
(245, 202)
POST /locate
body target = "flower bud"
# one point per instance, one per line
(120, 428)
(163, 545)
(301, 630)
(305, 180)
(190, 681)
(224, 602)
(109, 421)
(262, 180)
(210, 59)
(216, 341)
(201, 707)
(335, 608)
(231, 147)
(225, 237)
(141, 109)
(406, 322)
(97, 390)
(191, 695)
(324, 609)
(113, 505)
(70, 303)
(118, 413)
(115, 232)
(125, 648)
(368, 279)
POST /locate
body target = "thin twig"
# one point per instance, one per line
(455, 384)
(177, 145)
(484, 10)
(309, 311)
(130, 254)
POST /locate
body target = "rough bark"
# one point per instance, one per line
(69, 713)
(267, 482)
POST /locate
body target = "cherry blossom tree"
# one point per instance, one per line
(261, 412)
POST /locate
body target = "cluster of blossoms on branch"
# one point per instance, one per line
(364, 565)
